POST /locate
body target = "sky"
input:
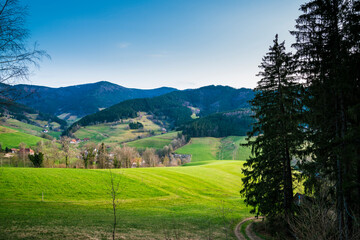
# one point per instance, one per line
(153, 43)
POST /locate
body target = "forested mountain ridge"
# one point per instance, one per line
(175, 107)
(27, 114)
(232, 123)
(212, 99)
(80, 100)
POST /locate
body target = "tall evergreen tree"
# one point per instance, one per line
(276, 136)
(327, 46)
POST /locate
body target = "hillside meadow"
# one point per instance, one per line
(188, 202)
(29, 128)
(194, 201)
(11, 138)
(156, 142)
(114, 133)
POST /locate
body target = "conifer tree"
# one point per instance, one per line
(327, 46)
(268, 181)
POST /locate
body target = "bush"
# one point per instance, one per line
(37, 159)
(136, 125)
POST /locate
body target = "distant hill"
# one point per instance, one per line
(80, 100)
(175, 108)
(233, 123)
(28, 115)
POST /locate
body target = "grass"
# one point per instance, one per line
(113, 134)
(12, 138)
(230, 148)
(201, 149)
(56, 135)
(243, 229)
(155, 202)
(157, 142)
(70, 119)
(28, 128)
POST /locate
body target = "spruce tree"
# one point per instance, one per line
(327, 47)
(276, 136)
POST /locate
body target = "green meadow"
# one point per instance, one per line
(113, 134)
(30, 129)
(11, 138)
(189, 202)
(201, 149)
(156, 142)
(193, 202)
(231, 148)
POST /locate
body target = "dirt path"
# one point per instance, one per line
(251, 235)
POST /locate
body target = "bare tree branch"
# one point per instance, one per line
(16, 57)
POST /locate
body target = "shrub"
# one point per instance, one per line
(37, 159)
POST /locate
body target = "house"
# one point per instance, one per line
(27, 151)
(73, 141)
(45, 130)
(86, 139)
(14, 150)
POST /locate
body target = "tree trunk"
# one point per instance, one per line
(114, 226)
(288, 183)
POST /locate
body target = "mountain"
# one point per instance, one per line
(80, 100)
(175, 108)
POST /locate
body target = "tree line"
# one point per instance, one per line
(307, 130)
(61, 153)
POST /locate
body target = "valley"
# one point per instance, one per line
(170, 120)
(193, 199)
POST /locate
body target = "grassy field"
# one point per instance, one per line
(70, 119)
(113, 134)
(156, 142)
(198, 201)
(201, 149)
(28, 128)
(12, 138)
(192, 202)
(205, 149)
(230, 148)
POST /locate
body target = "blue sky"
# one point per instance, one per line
(153, 43)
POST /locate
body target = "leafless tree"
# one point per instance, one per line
(22, 153)
(65, 144)
(150, 157)
(316, 219)
(15, 55)
(224, 211)
(166, 161)
(51, 153)
(126, 155)
(88, 154)
(116, 189)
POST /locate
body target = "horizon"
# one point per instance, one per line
(150, 44)
(74, 85)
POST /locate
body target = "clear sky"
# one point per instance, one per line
(153, 43)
